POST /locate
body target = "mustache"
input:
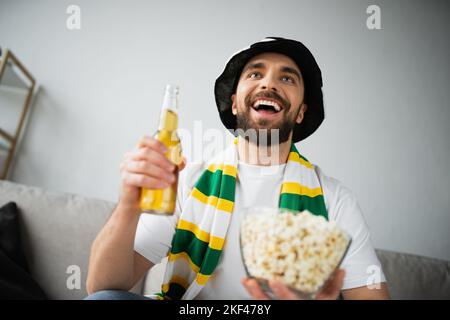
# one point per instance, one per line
(267, 94)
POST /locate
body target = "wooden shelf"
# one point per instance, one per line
(13, 74)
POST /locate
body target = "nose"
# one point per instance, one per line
(268, 83)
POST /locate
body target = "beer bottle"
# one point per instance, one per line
(162, 201)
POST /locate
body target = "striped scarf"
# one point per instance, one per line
(203, 224)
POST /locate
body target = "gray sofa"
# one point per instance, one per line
(58, 229)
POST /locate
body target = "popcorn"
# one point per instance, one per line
(302, 250)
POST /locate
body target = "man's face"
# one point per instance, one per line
(269, 95)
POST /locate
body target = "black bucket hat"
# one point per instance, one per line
(226, 83)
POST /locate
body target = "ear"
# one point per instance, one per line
(233, 105)
(301, 113)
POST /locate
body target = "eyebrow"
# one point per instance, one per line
(286, 69)
(258, 65)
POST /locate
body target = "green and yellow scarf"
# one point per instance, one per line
(203, 224)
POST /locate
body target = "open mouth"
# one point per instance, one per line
(267, 106)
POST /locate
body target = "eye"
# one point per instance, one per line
(254, 74)
(287, 79)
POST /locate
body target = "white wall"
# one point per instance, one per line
(386, 132)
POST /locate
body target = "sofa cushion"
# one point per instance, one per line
(57, 233)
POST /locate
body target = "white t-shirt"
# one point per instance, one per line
(259, 186)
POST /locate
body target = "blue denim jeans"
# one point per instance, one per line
(115, 295)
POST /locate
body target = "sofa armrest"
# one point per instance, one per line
(415, 277)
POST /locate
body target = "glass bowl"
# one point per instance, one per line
(298, 248)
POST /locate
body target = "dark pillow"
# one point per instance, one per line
(15, 280)
(10, 234)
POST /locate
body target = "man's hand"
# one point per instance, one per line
(330, 291)
(145, 167)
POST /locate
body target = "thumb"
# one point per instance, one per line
(182, 164)
(333, 286)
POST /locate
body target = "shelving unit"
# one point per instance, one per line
(16, 90)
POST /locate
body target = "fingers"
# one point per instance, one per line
(151, 151)
(152, 143)
(251, 285)
(155, 157)
(147, 166)
(150, 169)
(333, 287)
(281, 291)
(143, 181)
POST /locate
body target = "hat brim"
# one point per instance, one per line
(226, 83)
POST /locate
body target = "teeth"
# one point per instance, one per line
(268, 103)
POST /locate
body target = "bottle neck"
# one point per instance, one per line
(168, 120)
(169, 109)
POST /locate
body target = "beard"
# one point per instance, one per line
(263, 132)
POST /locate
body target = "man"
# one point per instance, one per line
(273, 89)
